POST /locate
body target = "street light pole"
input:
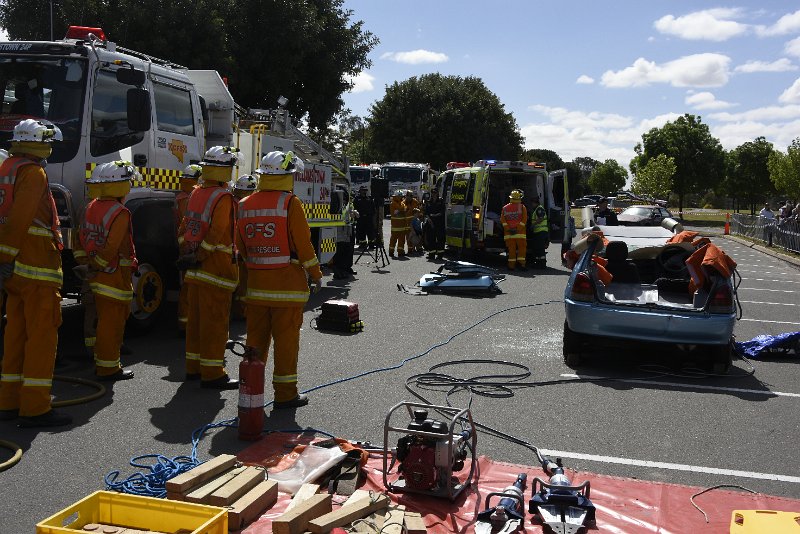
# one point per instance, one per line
(51, 20)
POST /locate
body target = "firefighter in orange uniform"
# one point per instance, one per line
(274, 241)
(242, 188)
(206, 246)
(106, 241)
(30, 271)
(514, 218)
(400, 226)
(189, 178)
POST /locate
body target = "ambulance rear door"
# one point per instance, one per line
(558, 205)
(458, 211)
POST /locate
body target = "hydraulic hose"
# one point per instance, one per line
(101, 390)
(15, 458)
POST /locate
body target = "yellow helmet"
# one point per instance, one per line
(516, 194)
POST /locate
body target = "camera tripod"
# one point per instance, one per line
(377, 254)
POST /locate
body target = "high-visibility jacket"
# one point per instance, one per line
(29, 227)
(397, 209)
(285, 286)
(211, 213)
(513, 217)
(263, 227)
(94, 232)
(542, 226)
(117, 249)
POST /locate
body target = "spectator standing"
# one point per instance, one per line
(767, 218)
(605, 216)
(435, 212)
(365, 223)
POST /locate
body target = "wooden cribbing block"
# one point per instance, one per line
(393, 523)
(241, 484)
(194, 477)
(296, 520)
(305, 491)
(348, 513)
(370, 524)
(175, 496)
(414, 523)
(357, 495)
(252, 504)
(202, 494)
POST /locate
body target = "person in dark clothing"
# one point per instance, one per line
(434, 227)
(604, 215)
(365, 224)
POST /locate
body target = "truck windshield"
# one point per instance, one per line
(360, 175)
(402, 174)
(44, 88)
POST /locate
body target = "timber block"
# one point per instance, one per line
(202, 494)
(296, 520)
(238, 486)
(252, 504)
(194, 477)
(305, 491)
(414, 523)
(348, 513)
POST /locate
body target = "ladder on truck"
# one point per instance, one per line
(307, 148)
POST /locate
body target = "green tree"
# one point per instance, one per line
(541, 155)
(784, 170)
(579, 170)
(608, 177)
(265, 48)
(435, 119)
(699, 157)
(748, 172)
(655, 178)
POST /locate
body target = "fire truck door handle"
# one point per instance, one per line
(140, 160)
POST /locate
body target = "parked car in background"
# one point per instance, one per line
(583, 202)
(641, 215)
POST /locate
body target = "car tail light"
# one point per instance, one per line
(721, 300)
(583, 288)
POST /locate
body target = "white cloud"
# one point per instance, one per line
(792, 94)
(789, 23)
(416, 57)
(362, 82)
(707, 25)
(764, 114)
(584, 80)
(780, 65)
(697, 70)
(793, 47)
(706, 100)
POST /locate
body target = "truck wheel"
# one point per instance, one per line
(573, 343)
(721, 358)
(149, 293)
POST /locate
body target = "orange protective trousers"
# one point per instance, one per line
(281, 324)
(31, 338)
(399, 238)
(207, 330)
(517, 249)
(183, 305)
(111, 317)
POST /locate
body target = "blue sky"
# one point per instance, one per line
(588, 78)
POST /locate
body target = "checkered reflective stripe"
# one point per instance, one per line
(320, 211)
(151, 177)
(327, 245)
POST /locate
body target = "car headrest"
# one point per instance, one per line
(616, 251)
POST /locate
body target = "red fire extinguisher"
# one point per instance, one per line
(251, 392)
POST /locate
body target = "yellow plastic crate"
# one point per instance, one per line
(133, 511)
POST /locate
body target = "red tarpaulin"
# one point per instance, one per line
(623, 504)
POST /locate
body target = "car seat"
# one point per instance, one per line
(621, 268)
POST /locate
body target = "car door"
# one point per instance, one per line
(177, 143)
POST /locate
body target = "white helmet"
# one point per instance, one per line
(192, 172)
(36, 131)
(276, 162)
(246, 182)
(115, 171)
(3, 155)
(221, 156)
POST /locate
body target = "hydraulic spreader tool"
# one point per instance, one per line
(560, 505)
(509, 512)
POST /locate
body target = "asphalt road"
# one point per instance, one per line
(741, 429)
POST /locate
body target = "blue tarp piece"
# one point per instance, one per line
(780, 343)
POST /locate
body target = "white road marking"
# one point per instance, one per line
(765, 321)
(673, 467)
(769, 272)
(770, 303)
(692, 386)
(765, 289)
(768, 280)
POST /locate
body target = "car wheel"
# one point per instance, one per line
(721, 358)
(149, 295)
(573, 343)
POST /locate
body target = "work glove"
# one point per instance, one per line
(6, 270)
(316, 285)
(81, 271)
(187, 261)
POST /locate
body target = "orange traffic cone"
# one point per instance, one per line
(727, 224)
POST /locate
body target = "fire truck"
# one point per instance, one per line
(112, 103)
(405, 176)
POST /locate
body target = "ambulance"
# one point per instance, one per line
(111, 104)
(474, 197)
